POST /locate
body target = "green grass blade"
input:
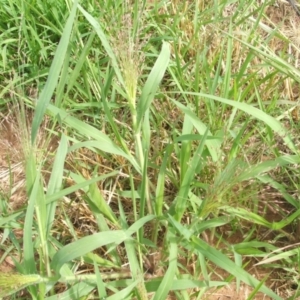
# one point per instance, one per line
(29, 260)
(53, 77)
(212, 145)
(135, 268)
(86, 245)
(275, 257)
(160, 186)
(182, 197)
(83, 57)
(279, 187)
(56, 178)
(255, 218)
(100, 284)
(138, 224)
(78, 186)
(185, 152)
(96, 197)
(267, 166)
(182, 284)
(167, 281)
(124, 293)
(226, 264)
(153, 81)
(103, 142)
(275, 125)
(105, 43)
(77, 291)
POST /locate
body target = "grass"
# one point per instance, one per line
(159, 143)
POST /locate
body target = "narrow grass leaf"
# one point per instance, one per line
(76, 291)
(279, 187)
(92, 258)
(53, 77)
(255, 218)
(29, 259)
(12, 217)
(274, 124)
(160, 185)
(167, 281)
(266, 166)
(213, 146)
(83, 57)
(153, 81)
(201, 225)
(257, 288)
(135, 267)
(105, 43)
(123, 293)
(226, 264)
(108, 113)
(182, 284)
(96, 197)
(78, 186)
(139, 223)
(281, 256)
(181, 198)
(103, 142)
(100, 284)
(183, 230)
(86, 245)
(185, 152)
(56, 178)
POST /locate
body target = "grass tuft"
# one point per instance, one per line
(150, 149)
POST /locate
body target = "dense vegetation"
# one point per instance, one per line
(159, 142)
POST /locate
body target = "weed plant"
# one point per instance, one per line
(160, 149)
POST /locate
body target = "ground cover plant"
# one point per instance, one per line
(150, 150)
